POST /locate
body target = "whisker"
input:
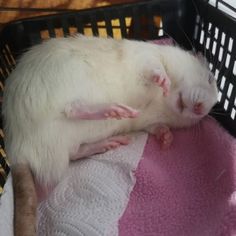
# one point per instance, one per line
(198, 131)
(210, 33)
(224, 56)
(188, 39)
(218, 82)
(218, 113)
(205, 35)
(195, 131)
(210, 52)
(218, 109)
(214, 61)
(196, 9)
(192, 97)
(204, 43)
(222, 62)
(220, 175)
(195, 6)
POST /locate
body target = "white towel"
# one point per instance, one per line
(7, 209)
(94, 194)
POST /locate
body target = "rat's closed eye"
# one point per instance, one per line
(180, 103)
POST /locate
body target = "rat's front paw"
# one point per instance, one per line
(164, 136)
(119, 111)
(99, 111)
(162, 80)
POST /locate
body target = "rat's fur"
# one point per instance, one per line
(93, 71)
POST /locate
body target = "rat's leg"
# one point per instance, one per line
(159, 76)
(163, 134)
(105, 145)
(76, 110)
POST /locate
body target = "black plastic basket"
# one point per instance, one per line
(193, 23)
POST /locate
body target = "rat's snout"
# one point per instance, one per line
(198, 108)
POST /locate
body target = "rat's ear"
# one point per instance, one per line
(201, 58)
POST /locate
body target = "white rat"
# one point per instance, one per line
(73, 97)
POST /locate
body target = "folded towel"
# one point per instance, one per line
(7, 209)
(189, 190)
(94, 194)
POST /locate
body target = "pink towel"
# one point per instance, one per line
(189, 190)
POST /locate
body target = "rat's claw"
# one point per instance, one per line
(164, 135)
(119, 111)
(166, 87)
(163, 81)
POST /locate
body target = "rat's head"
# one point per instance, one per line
(194, 90)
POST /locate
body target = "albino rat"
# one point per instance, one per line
(73, 97)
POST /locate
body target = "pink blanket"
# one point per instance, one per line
(189, 190)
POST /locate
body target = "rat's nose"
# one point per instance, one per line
(198, 108)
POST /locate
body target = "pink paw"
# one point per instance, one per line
(119, 111)
(162, 81)
(114, 142)
(99, 111)
(165, 137)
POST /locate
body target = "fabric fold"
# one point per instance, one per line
(94, 194)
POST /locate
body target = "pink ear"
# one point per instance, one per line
(199, 55)
(201, 58)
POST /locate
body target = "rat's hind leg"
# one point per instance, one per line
(105, 145)
(76, 110)
(163, 134)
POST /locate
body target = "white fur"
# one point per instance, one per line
(92, 70)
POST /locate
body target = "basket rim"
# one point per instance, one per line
(86, 11)
(58, 12)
